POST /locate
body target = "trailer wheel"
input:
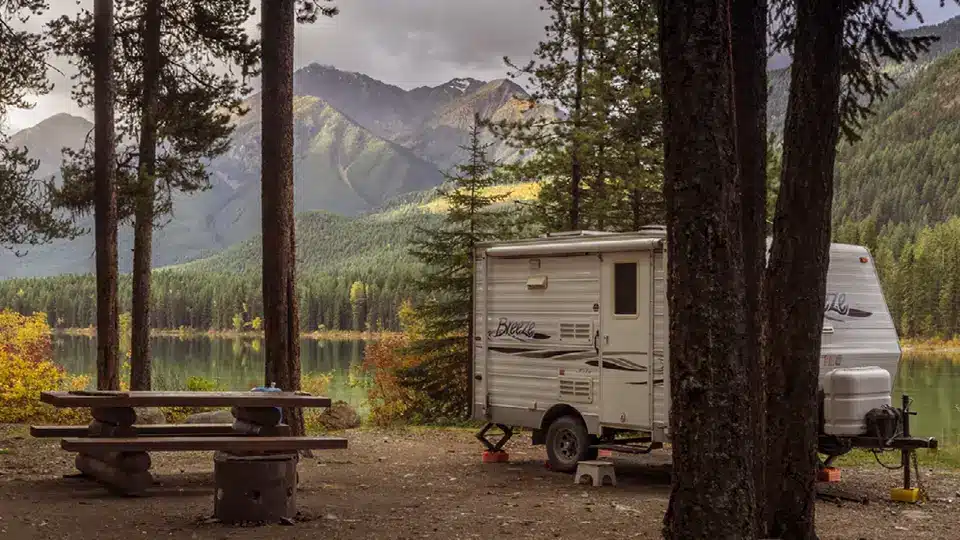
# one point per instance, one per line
(568, 443)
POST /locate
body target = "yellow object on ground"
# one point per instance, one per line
(911, 495)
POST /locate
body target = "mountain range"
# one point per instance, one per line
(358, 143)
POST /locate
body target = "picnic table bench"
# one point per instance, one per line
(255, 459)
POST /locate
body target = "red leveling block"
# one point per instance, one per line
(496, 457)
(830, 475)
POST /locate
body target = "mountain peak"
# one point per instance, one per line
(53, 133)
(463, 84)
(57, 121)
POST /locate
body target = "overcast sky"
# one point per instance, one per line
(408, 43)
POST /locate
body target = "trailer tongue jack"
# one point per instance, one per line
(907, 450)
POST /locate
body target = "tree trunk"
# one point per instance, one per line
(600, 189)
(576, 168)
(797, 271)
(475, 149)
(140, 373)
(280, 325)
(750, 84)
(105, 203)
(713, 486)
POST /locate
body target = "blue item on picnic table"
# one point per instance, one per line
(271, 388)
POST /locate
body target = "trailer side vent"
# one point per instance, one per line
(576, 331)
(537, 282)
(576, 390)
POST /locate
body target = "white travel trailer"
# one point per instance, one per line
(572, 343)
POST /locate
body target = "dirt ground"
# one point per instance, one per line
(415, 484)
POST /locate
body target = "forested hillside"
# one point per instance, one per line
(906, 169)
(333, 244)
(898, 192)
(354, 275)
(948, 33)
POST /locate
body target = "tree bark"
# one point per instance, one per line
(140, 372)
(713, 488)
(576, 168)
(750, 102)
(105, 195)
(281, 316)
(797, 270)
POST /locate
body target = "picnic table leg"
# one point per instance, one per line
(127, 473)
(255, 487)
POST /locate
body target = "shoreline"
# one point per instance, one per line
(326, 335)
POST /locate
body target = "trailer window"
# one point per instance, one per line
(625, 288)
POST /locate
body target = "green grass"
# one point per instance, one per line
(941, 458)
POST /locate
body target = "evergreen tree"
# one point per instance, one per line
(104, 194)
(599, 162)
(558, 76)
(176, 116)
(835, 78)
(447, 252)
(713, 493)
(279, 285)
(626, 86)
(27, 216)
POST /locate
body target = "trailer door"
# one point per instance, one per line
(625, 377)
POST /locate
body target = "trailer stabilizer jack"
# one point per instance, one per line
(498, 446)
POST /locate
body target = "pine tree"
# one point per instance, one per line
(837, 48)
(447, 252)
(279, 289)
(629, 89)
(176, 107)
(105, 196)
(599, 162)
(558, 76)
(27, 216)
(713, 472)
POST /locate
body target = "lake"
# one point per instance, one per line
(931, 379)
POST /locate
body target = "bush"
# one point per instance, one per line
(26, 370)
(316, 384)
(390, 401)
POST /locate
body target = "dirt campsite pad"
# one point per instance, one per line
(416, 483)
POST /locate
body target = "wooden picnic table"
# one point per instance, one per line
(255, 461)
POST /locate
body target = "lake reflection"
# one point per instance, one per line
(932, 380)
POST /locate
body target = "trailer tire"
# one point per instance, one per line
(568, 443)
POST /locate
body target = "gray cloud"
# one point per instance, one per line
(417, 42)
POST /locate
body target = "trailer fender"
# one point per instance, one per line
(591, 421)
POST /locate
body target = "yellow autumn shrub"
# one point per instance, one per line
(315, 384)
(26, 369)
